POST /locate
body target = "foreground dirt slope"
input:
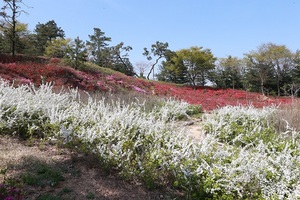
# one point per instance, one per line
(82, 175)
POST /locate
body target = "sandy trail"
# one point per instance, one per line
(194, 128)
(196, 131)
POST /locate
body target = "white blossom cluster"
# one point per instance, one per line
(268, 165)
(150, 146)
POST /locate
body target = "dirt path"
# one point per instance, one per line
(195, 130)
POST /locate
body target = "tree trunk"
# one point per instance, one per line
(13, 44)
(262, 87)
(152, 68)
(278, 86)
(203, 79)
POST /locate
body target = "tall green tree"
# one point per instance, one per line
(120, 60)
(5, 44)
(172, 69)
(294, 86)
(28, 45)
(158, 50)
(10, 12)
(258, 71)
(22, 34)
(99, 49)
(281, 58)
(77, 53)
(296, 71)
(46, 33)
(57, 48)
(21, 44)
(198, 63)
(229, 73)
(269, 62)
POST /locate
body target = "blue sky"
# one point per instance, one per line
(227, 27)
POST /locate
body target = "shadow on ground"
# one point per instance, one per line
(49, 173)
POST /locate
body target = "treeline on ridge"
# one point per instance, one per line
(271, 69)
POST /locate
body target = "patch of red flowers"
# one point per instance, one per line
(210, 98)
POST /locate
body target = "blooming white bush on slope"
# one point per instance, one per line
(267, 165)
(240, 157)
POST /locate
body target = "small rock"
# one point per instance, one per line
(189, 123)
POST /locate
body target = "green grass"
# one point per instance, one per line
(48, 197)
(91, 67)
(42, 175)
(64, 194)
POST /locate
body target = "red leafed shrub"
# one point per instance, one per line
(209, 98)
(54, 61)
(212, 98)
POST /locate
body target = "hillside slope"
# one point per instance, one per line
(97, 79)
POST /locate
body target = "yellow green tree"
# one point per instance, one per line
(57, 48)
(198, 62)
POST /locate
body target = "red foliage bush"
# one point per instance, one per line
(209, 98)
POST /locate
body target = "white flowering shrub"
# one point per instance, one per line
(24, 109)
(241, 126)
(261, 163)
(241, 156)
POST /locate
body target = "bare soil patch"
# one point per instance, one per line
(83, 177)
(194, 128)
